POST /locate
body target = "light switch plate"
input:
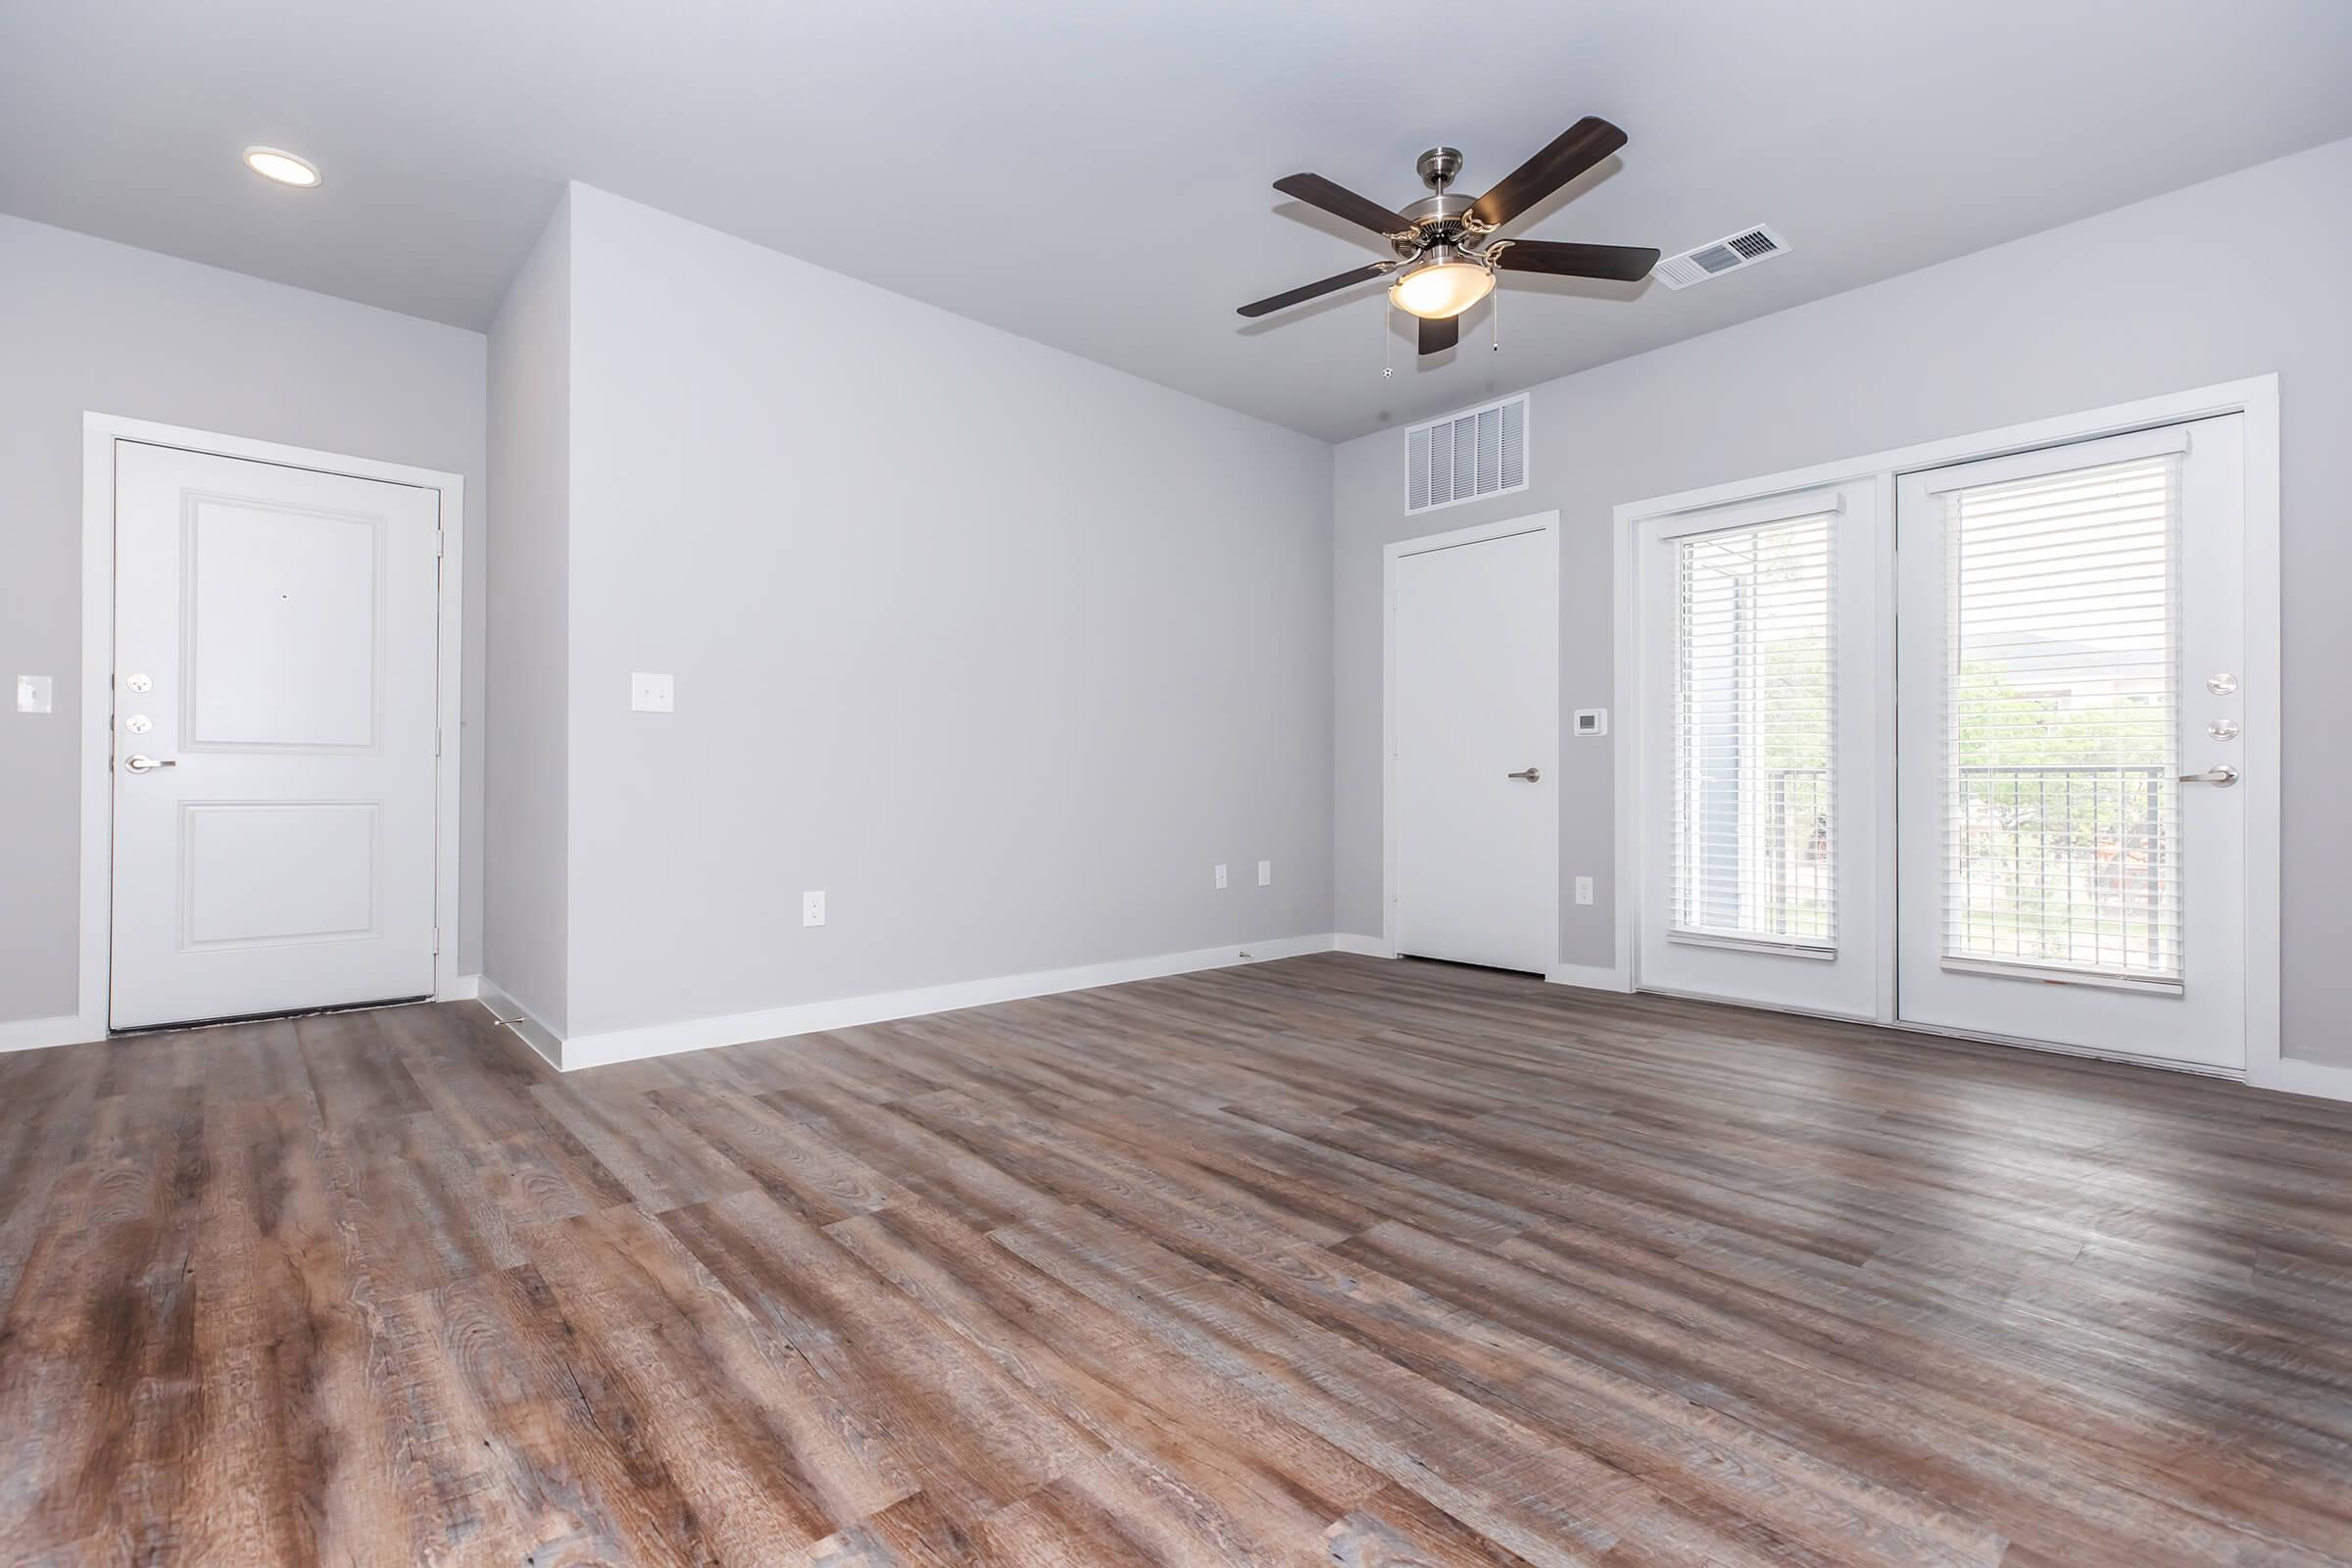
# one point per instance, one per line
(650, 694)
(813, 909)
(1265, 874)
(32, 694)
(1220, 876)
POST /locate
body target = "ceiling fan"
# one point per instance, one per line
(1446, 255)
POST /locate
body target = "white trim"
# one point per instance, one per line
(2257, 398)
(1789, 507)
(2318, 1078)
(2165, 440)
(847, 1012)
(2227, 397)
(1545, 522)
(1885, 775)
(519, 1018)
(99, 433)
(38, 1034)
(2264, 716)
(1971, 1037)
(1527, 442)
(1363, 946)
(1590, 976)
(465, 988)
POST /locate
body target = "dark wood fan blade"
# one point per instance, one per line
(1575, 150)
(1308, 291)
(1341, 202)
(1437, 336)
(1623, 263)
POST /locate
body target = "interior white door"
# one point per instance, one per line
(274, 736)
(1763, 751)
(1474, 669)
(2072, 844)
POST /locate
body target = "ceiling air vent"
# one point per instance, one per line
(1466, 456)
(1743, 249)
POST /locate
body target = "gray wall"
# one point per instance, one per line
(525, 924)
(2239, 276)
(89, 325)
(999, 647)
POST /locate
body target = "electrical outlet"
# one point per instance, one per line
(1220, 876)
(1265, 874)
(1584, 890)
(813, 909)
(650, 694)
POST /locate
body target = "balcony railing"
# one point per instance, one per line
(2063, 863)
(2050, 863)
(1800, 868)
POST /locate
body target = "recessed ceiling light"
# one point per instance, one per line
(283, 166)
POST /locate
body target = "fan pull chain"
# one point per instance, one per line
(1388, 343)
(1494, 319)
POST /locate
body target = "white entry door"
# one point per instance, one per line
(274, 736)
(1762, 751)
(2073, 841)
(1475, 723)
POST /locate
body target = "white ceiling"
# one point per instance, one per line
(1096, 175)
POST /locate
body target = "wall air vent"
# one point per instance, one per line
(1745, 248)
(1465, 456)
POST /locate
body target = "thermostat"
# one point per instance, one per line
(1591, 721)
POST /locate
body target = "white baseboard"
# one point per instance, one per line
(2319, 1078)
(700, 1034)
(1363, 946)
(34, 1034)
(465, 988)
(1591, 976)
(519, 1018)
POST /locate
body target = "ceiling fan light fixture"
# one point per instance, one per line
(1443, 283)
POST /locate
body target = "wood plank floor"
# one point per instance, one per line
(1330, 1261)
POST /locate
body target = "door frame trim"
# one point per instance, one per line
(1547, 524)
(2256, 398)
(99, 433)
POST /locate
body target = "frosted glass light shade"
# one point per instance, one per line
(1439, 289)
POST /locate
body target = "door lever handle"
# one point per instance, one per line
(1529, 774)
(147, 765)
(2223, 776)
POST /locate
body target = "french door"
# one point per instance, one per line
(1761, 825)
(2073, 841)
(1969, 767)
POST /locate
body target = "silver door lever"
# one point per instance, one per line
(1530, 774)
(2223, 776)
(146, 764)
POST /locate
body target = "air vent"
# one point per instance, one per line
(1743, 249)
(1466, 456)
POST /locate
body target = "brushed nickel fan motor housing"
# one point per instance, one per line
(1439, 167)
(1436, 220)
(1438, 209)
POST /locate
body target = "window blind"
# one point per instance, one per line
(1755, 725)
(2062, 841)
